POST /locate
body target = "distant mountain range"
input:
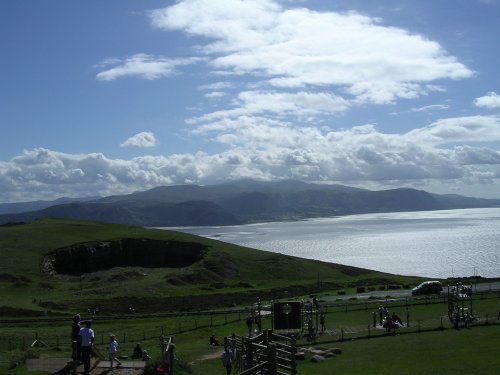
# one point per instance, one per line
(238, 202)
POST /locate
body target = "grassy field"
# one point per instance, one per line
(224, 274)
(28, 293)
(430, 351)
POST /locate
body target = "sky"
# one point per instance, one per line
(111, 97)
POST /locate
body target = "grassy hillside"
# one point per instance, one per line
(120, 266)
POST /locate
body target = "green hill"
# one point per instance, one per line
(67, 265)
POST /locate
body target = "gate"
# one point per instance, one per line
(264, 354)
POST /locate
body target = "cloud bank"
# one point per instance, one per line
(264, 149)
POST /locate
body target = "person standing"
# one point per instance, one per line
(87, 339)
(112, 351)
(75, 338)
(227, 360)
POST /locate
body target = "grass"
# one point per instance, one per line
(25, 290)
(413, 352)
(252, 273)
(471, 351)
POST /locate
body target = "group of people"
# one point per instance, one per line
(387, 320)
(84, 337)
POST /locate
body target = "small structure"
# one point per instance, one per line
(460, 306)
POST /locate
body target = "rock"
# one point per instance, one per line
(336, 350)
(317, 358)
(318, 352)
(329, 355)
(300, 356)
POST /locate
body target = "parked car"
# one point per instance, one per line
(427, 287)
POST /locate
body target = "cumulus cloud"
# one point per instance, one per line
(459, 129)
(491, 100)
(143, 139)
(258, 147)
(140, 65)
(299, 47)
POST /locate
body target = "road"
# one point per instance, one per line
(403, 293)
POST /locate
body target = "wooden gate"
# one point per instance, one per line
(264, 354)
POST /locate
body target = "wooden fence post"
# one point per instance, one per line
(294, 361)
(271, 360)
(248, 349)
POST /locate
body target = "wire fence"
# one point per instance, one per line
(173, 324)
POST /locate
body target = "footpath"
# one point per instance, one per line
(61, 366)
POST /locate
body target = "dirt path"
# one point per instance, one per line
(208, 356)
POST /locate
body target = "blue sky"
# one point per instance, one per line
(110, 97)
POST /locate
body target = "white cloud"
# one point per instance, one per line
(215, 95)
(263, 148)
(217, 86)
(299, 104)
(432, 107)
(141, 65)
(459, 129)
(143, 139)
(300, 47)
(491, 100)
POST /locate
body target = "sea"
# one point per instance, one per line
(433, 244)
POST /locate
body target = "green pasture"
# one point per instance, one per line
(428, 349)
(252, 273)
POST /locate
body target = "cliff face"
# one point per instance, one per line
(89, 257)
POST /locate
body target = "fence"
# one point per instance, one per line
(351, 332)
(267, 353)
(59, 337)
(54, 335)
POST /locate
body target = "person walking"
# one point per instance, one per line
(112, 351)
(227, 360)
(87, 338)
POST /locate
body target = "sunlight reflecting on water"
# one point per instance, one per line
(429, 243)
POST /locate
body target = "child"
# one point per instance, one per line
(112, 350)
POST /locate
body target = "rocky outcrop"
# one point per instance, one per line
(89, 257)
(319, 354)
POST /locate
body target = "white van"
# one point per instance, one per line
(427, 287)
